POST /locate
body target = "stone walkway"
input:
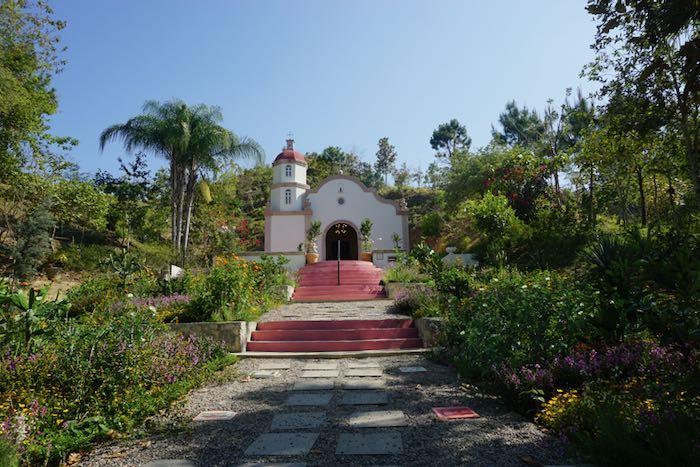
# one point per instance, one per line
(368, 309)
(347, 412)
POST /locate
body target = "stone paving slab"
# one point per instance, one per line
(372, 443)
(364, 372)
(320, 374)
(321, 366)
(362, 364)
(359, 384)
(412, 369)
(274, 366)
(308, 399)
(377, 419)
(170, 463)
(214, 416)
(282, 444)
(297, 421)
(364, 398)
(265, 374)
(313, 385)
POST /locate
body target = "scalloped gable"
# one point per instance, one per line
(401, 210)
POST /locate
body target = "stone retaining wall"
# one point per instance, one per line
(234, 334)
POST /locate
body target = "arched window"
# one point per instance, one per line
(288, 171)
(287, 196)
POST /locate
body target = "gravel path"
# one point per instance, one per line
(499, 438)
(369, 309)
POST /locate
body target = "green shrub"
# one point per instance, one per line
(404, 273)
(86, 258)
(8, 454)
(518, 318)
(96, 374)
(499, 225)
(97, 294)
(237, 290)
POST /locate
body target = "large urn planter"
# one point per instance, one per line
(311, 258)
(366, 256)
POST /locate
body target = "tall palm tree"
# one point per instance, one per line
(193, 142)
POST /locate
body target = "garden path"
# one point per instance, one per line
(349, 411)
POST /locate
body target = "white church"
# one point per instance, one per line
(339, 199)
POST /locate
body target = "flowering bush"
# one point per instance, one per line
(94, 377)
(517, 318)
(415, 300)
(236, 289)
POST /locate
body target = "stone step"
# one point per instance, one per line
(336, 325)
(333, 346)
(334, 335)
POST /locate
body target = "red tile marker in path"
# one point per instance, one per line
(454, 413)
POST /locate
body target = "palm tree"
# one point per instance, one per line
(193, 142)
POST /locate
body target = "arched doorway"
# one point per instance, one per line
(343, 234)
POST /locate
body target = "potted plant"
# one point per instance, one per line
(311, 247)
(366, 232)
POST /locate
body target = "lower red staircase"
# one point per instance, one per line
(334, 336)
(359, 280)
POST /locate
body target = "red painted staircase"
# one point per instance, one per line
(334, 336)
(359, 280)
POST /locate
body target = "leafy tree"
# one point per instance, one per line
(81, 204)
(655, 61)
(520, 126)
(386, 158)
(449, 138)
(333, 160)
(402, 175)
(193, 142)
(29, 57)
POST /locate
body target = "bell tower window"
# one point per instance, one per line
(288, 171)
(287, 196)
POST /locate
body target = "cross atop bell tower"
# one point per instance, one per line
(290, 141)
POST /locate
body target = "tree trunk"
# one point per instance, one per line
(671, 191)
(642, 200)
(180, 208)
(656, 197)
(189, 197)
(173, 205)
(591, 179)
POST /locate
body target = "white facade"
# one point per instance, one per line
(337, 200)
(344, 199)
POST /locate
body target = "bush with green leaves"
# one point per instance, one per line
(518, 318)
(498, 223)
(93, 376)
(236, 290)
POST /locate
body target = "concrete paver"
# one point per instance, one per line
(320, 374)
(309, 399)
(371, 443)
(377, 419)
(297, 421)
(364, 398)
(282, 444)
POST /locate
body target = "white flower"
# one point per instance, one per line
(495, 279)
(130, 295)
(152, 308)
(461, 333)
(524, 286)
(612, 302)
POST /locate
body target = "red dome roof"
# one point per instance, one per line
(289, 154)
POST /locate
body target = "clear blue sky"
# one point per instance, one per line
(335, 73)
